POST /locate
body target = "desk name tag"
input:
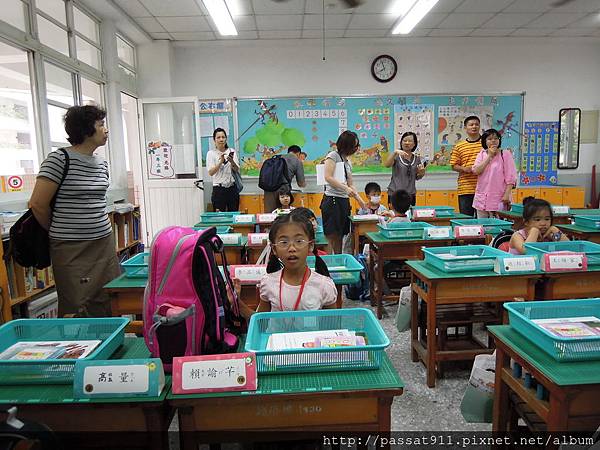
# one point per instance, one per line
(118, 378)
(514, 264)
(248, 273)
(258, 238)
(561, 210)
(214, 373)
(438, 232)
(231, 238)
(243, 218)
(469, 231)
(266, 218)
(564, 262)
(425, 212)
(365, 217)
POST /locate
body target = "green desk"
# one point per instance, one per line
(436, 288)
(125, 422)
(243, 228)
(307, 403)
(127, 297)
(567, 285)
(517, 219)
(442, 220)
(573, 399)
(359, 229)
(585, 212)
(383, 249)
(578, 233)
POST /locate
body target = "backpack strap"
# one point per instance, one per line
(62, 178)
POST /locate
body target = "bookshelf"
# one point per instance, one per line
(20, 285)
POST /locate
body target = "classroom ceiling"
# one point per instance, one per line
(188, 20)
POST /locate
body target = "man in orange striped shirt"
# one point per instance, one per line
(462, 160)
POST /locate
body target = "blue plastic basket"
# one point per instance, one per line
(360, 320)
(591, 249)
(218, 217)
(221, 229)
(109, 330)
(562, 349)
(403, 230)
(462, 258)
(491, 225)
(516, 208)
(137, 266)
(587, 221)
(343, 269)
(440, 211)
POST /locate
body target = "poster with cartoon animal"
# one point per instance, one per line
(160, 160)
(419, 120)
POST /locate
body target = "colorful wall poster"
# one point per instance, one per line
(539, 154)
(160, 160)
(419, 120)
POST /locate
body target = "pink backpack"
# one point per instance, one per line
(186, 308)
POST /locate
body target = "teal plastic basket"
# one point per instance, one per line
(110, 330)
(343, 269)
(462, 258)
(491, 225)
(218, 217)
(221, 229)
(587, 221)
(360, 320)
(516, 208)
(403, 230)
(137, 266)
(440, 211)
(561, 348)
(591, 249)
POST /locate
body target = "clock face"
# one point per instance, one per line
(384, 68)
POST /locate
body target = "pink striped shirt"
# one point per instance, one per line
(492, 182)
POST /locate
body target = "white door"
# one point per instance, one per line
(171, 163)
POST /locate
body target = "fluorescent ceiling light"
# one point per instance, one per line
(221, 17)
(401, 7)
(413, 17)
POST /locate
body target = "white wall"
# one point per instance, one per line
(554, 73)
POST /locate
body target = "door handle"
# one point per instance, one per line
(198, 184)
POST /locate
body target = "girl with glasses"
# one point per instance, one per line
(406, 166)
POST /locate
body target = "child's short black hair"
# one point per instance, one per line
(532, 205)
(401, 201)
(488, 133)
(471, 118)
(80, 122)
(304, 212)
(372, 187)
(284, 191)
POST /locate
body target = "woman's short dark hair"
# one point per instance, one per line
(347, 143)
(491, 132)
(80, 122)
(410, 133)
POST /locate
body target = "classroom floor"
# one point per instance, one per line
(419, 408)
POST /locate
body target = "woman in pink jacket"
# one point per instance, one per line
(497, 176)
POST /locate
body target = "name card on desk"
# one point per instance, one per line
(258, 239)
(564, 262)
(469, 231)
(118, 378)
(423, 213)
(214, 373)
(231, 238)
(266, 218)
(515, 264)
(243, 218)
(561, 210)
(359, 217)
(249, 273)
(438, 232)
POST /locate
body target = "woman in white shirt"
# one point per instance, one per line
(221, 164)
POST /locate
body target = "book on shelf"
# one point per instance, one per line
(40, 350)
(571, 327)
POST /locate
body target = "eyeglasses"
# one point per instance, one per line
(284, 244)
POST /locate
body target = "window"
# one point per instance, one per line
(59, 85)
(14, 13)
(87, 41)
(91, 92)
(85, 25)
(54, 8)
(52, 35)
(18, 146)
(87, 53)
(126, 52)
(129, 114)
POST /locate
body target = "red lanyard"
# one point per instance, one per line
(304, 278)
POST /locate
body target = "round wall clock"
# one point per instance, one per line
(384, 68)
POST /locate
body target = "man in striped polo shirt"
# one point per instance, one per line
(462, 160)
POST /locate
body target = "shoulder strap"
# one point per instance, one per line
(62, 178)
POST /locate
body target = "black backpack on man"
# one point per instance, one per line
(273, 174)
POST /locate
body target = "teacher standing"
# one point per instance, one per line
(407, 167)
(221, 164)
(335, 206)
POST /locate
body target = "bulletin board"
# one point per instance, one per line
(215, 114)
(539, 154)
(268, 126)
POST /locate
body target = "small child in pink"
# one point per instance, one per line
(497, 176)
